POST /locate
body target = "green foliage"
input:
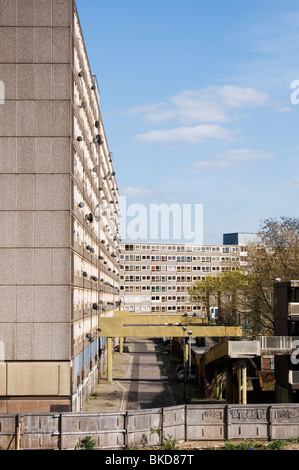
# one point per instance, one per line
(252, 445)
(248, 293)
(292, 440)
(86, 444)
(244, 445)
(168, 443)
(276, 445)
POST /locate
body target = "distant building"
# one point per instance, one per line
(239, 238)
(154, 277)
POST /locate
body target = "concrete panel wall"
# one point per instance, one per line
(36, 122)
(38, 379)
(117, 430)
(35, 182)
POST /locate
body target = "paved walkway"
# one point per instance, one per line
(111, 396)
(142, 378)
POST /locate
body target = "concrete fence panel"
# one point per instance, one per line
(284, 421)
(173, 422)
(248, 422)
(143, 427)
(206, 422)
(38, 431)
(7, 431)
(106, 429)
(139, 428)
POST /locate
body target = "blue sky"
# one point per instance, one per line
(195, 100)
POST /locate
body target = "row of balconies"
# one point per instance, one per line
(180, 248)
(83, 216)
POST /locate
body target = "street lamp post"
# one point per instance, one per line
(189, 372)
(184, 361)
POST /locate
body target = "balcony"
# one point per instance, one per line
(293, 308)
(294, 377)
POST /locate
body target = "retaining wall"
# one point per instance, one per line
(133, 429)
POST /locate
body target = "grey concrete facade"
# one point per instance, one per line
(49, 281)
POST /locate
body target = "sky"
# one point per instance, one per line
(200, 104)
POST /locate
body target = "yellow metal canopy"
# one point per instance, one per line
(124, 324)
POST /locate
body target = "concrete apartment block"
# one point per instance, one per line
(47, 306)
(154, 277)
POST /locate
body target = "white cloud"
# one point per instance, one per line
(246, 154)
(136, 192)
(187, 134)
(209, 105)
(144, 193)
(231, 159)
(236, 97)
(198, 114)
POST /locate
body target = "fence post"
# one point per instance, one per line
(270, 431)
(162, 425)
(186, 423)
(60, 432)
(126, 433)
(227, 423)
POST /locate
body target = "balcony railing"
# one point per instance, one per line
(276, 344)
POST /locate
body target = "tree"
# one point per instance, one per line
(249, 292)
(225, 288)
(200, 292)
(232, 288)
(274, 257)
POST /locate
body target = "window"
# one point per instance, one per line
(146, 308)
(129, 247)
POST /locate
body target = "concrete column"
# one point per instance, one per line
(109, 359)
(121, 345)
(242, 382)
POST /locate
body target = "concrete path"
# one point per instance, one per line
(142, 378)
